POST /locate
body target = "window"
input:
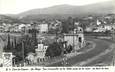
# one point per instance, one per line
(80, 39)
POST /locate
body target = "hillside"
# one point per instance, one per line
(98, 8)
(8, 19)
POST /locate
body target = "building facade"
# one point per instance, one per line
(40, 52)
(43, 28)
(76, 39)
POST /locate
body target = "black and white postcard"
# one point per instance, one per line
(57, 35)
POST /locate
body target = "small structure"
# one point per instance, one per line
(7, 59)
(31, 58)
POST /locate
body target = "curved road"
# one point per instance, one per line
(101, 46)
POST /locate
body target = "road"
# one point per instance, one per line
(101, 46)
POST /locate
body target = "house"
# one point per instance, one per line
(75, 39)
(77, 23)
(108, 27)
(105, 27)
(100, 29)
(31, 58)
(98, 22)
(21, 26)
(7, 27)
(2, 28)
(43, 28)
(40, 52)
(89, 29)
(38, 56)
(14, 28)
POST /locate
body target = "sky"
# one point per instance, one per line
(18, 6)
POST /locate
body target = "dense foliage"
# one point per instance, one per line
(54, 50)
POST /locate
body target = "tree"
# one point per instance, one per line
(84, 24)
(68, 25)
(65, 27)
(29, 45)
(54, 50)
(8, 48)
(25, 46)
(34, 38)
(69, 49)
(70, 22)
(15, 41)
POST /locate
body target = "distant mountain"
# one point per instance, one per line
(98, 8)
(64, 11)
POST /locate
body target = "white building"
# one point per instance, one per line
(76, 39)
(21, 26)
(104, 28)
(41, 51)
(43, 28)
(31, 57)
(76, 23)
(89, 29)
(98, 22)
(99, 29)
(108, 27)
